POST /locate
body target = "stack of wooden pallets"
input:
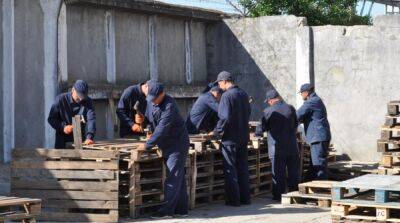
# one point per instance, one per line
(24, 209)
(389, 143)
(74, 185)
(369, 198)
(316, 193)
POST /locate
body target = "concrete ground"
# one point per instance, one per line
(263, 209)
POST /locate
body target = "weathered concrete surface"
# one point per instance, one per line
(170, 37)
(356, 74)
(262, 209)
(199, 61)
(29, 62)
(260, 52)
(132, 47)
(86, 44)
(1, 81)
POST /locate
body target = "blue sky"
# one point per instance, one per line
(222, 5)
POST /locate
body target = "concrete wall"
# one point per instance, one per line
(1, 81)
(260, 52)
(29, 62)
(356, 74)
(199, 60)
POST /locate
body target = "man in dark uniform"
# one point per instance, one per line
(204, 114)
(280, 122)
(131, 121)
(316, 126)
(66, 106)
(233, 127)
(171, 136)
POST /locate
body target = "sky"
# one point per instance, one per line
(222, 5)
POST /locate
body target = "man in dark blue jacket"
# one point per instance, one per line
(66, 106)
(233, 126)
(204, 114)
(171, 136)
(316, 126)
(131, 121)
(280, 122)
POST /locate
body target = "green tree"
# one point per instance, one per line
(317, 12)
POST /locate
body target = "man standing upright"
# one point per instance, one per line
(316, 126)
(233, 126)
(171, 136)
(66, 106)
(280, 121)
(131, 109)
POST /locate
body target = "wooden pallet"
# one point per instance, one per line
(74, 185)
(392, 120)
(24, 209)
(390, 133)
(365, 212)
(296, 198)
(383, 187)
(388, 146)
(390, 160)
(316, 187)
(344, 170)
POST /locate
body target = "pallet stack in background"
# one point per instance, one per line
(389, 143)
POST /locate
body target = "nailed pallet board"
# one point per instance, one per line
(388, 146)
(393, 108)
(75, 185)
(382, 185)
(344, 170)
(316, 187)
(320, 200)
(370, 211)
(14, 208)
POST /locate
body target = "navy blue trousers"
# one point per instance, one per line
(236, 171)
(175, 189)
(280, 164)
(319, 153)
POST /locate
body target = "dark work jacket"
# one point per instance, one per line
(170, 133)
(62, 111)
(314, 116)
(280, 121)
(126, 112)
(234, 113)
(204, 114)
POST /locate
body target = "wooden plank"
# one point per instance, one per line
(22, 153)
(81, 204)
(64, 185)
(76, 122)
(19, 201)
(40, 174)
(65, 165)
(71, 195)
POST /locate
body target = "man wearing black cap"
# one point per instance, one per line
(316, 126)
(66, 106)
(132, 118)
(280, 121)
(204, 114)
(171, 136)
(233, 127)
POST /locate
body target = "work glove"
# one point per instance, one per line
(139, 118)
(89, 142)
(68, 129)
(136, 128)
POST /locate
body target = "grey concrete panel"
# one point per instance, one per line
(170, 34)
(86, 44)
(29, 62)
(132, 47)
(199, 60)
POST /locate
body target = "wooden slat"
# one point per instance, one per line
(65, 165)
(56, 194)
(76, 122)
(19, 153)
(81, 204)
(63, 174)
(64, 185)
(18, 201)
